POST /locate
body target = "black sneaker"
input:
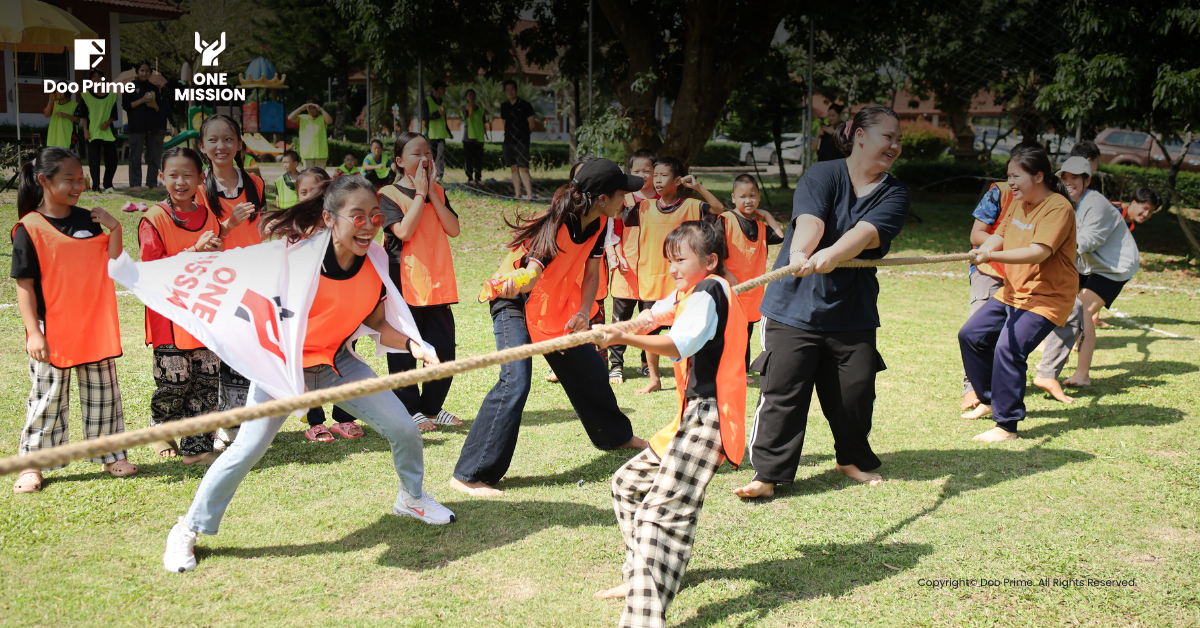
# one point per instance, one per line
(644, 370)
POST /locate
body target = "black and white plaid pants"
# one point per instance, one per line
(50, 403)
(658, 503)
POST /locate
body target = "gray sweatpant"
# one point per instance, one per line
(982, 288)
(1060, 342)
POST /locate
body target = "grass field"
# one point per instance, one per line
(1105, 488)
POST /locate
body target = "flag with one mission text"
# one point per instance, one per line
(250, 305)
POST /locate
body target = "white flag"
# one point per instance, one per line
(250, 305)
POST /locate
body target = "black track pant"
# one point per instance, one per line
(842, 367)
(623, 311)
(436, 324)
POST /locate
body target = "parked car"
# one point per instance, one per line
(1135, 148)
(765, 153)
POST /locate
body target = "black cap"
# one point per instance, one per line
(603, 176)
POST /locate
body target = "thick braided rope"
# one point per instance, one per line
(229, 418)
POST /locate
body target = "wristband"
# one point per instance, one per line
(408, 344)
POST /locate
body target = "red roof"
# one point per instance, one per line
(152, 6)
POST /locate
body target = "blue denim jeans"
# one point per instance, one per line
(488, 450)
(995, 344)
(382, 411)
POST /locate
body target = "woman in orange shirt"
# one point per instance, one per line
(1036, 243)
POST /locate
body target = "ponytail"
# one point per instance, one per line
(1035, 160)
(210, 182)
(47, 162)
(867, 117)
(305, 218)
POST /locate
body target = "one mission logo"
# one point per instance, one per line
(209, 52)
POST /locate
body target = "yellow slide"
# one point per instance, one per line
(259, 146)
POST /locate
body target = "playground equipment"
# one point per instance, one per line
(195, 117)
(258, 145)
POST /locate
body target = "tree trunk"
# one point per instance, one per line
(1172, 175)
(777, 133)
(958, 119)
(343, 96)
(577, 120)
(400, 90)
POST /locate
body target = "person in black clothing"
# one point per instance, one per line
(825, 145)
(145, 129)
(820, 324)
(518, 119)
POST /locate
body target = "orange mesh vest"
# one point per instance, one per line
(338, 308)
(426, 267)
(731, 384)
(653, 272)
(625, 285)
(747, 260)
(245, 234)
(81, 323)
(557, 296)
(996, 269)
(175, 239)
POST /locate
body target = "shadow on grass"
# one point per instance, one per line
(483, 525)
(1097, 416)
(818, 570)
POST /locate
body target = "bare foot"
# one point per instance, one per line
(615, 593)
(979, 412)
(995, 435)
(749, 380)
(201, 459)
(756, 489)
(1050, 385)
(1102, 325)
(474, 489)
(653, 386)
(969, 400)
(635, 443)
(1076, 381)
(869, 478)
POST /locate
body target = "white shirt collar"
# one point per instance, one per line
(237, 189)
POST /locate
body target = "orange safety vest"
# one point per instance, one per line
(654, 273)
(602, 289)
(245, 234)
(747, 260)
(426, 266)
(625, 285)
(557, 295)
(996, 269)
(81, 324)
(175, 239)
(338, 308)
(731, 384)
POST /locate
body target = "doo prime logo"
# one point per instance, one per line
(218, 81)
(88, 54)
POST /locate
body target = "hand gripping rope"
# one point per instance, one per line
(209, 422)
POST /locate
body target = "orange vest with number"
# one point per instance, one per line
(175, 239)
(996, 269)
(653, 270)
(81, 324)
(557, 295)
(245, 234)
(338, 308)
(731, 384)
(747, 260)
(426, 267)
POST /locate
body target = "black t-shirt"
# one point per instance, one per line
(516, 121)
(142, 119)
(827, 149)
(702, 367)
(578, 236)
(392, 214)
(24, 256)
(845, 299)
(750, 228)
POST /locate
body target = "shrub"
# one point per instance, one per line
(541, 154)
(923, 141)
(944, 176)
(719, 154)
(1123, 180)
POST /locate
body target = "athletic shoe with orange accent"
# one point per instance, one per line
(423, 508)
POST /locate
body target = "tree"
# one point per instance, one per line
(172, 43)
(760, 110)
(1134, 65)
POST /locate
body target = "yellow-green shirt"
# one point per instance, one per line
(313, 141)
(59, 133)
(100, 111)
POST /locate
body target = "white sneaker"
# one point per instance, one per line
(423, 508)
(109, 191)
(180, 555)
(227, 434)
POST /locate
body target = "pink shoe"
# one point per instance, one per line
(129, 207)
(142, 207)
(349, 429)
(318, 433)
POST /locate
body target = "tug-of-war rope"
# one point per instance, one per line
(57, 456)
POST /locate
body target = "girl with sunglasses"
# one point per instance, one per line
(351, 292)
(418, 222)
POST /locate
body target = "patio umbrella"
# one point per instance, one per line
(33, 26)
(131, 74)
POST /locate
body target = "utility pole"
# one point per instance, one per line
(809, 112)
(590, 20)
(420, 97)
(368, 101)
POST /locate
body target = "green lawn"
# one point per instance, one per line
(1105, 489)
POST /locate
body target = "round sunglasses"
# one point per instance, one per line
(360, 221)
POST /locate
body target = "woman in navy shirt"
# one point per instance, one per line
(819, 328)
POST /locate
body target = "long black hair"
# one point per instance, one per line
(402, 140)
(1035, 160)
(210, 182)
(48, 162)
(867, 117)
(304, 218)
(701, 236)
(539, 232)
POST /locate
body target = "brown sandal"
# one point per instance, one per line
(161, 447)
(33, 485)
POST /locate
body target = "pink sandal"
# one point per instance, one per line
(349, 429)
(318, 433)
(28, 482)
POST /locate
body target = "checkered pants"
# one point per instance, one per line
(657, 505)
(50, 403)
(188, 385)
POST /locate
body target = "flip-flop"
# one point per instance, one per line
(616, 374)
(348, 429)
(28, 486)
(206, 460)
(318, 434)
(162, 446)
(129, 207)
(424, 423)
(121, 468)
(445, 418)
(552, 378)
